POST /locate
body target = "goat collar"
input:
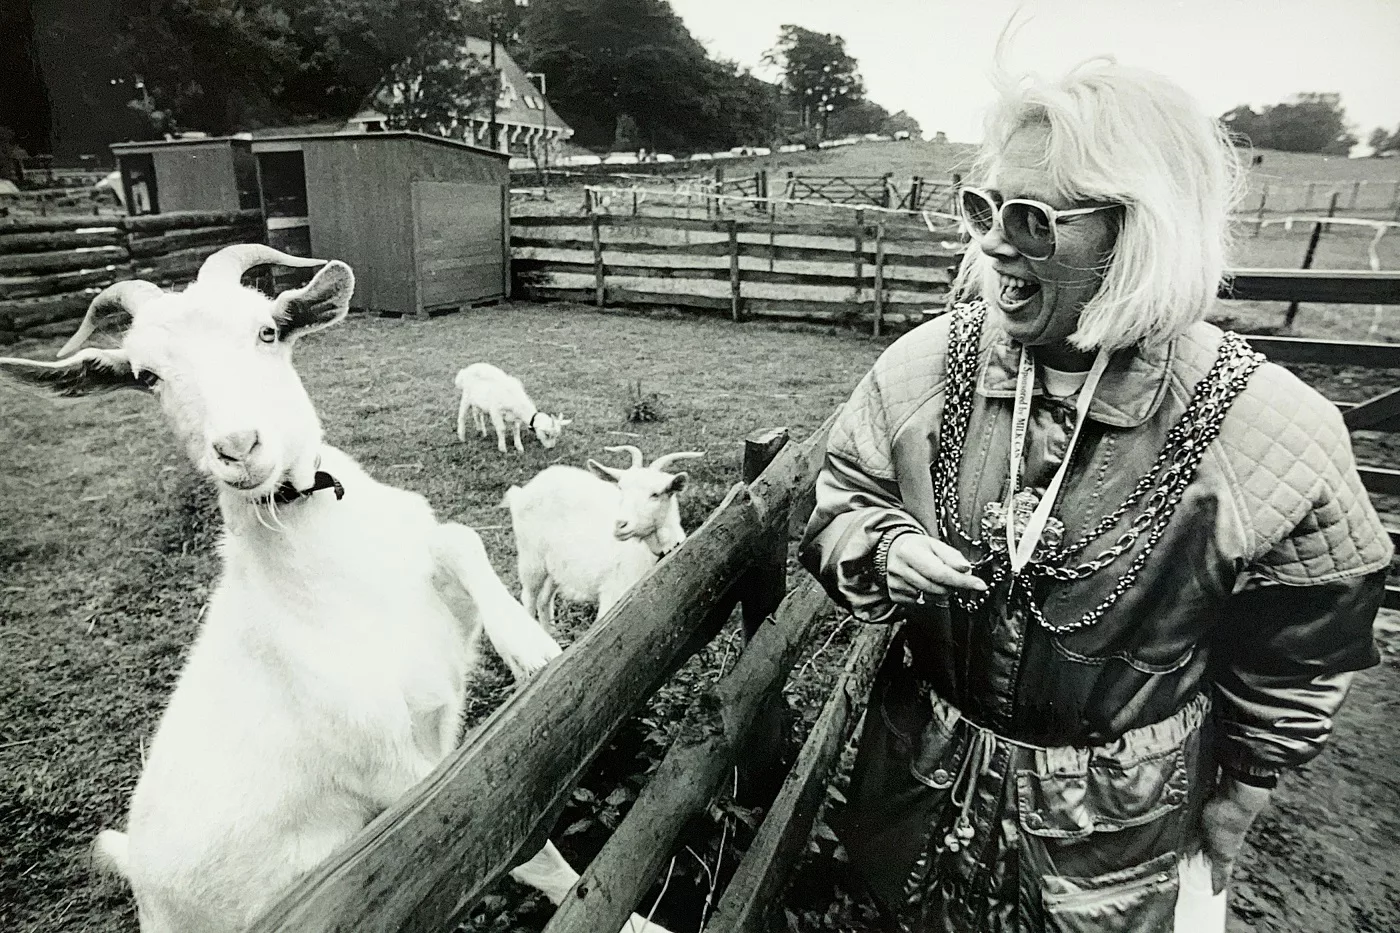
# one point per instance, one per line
(655, 547)
(531, 423)
(288, 493)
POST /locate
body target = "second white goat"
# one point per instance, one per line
(488, 392)
(589, 536)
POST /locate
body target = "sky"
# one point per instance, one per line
(931, 57)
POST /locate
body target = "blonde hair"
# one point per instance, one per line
(1133, 137)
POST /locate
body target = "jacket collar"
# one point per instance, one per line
(1130, 392)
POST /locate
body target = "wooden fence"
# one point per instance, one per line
(1377, 198)
(51, 267)
(879, 273)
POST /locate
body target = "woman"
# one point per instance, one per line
(1085, 698)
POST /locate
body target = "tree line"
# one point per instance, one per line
(1311, 122)
(622, 73)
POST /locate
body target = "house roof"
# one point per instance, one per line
(520, 103)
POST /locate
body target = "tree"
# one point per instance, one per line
(609, 58)
(902, 122)
(212, 65)
(1309, 122)
(1382, 142)
(411, 52)
(818, 72)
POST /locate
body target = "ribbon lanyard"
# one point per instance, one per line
(1020, 553)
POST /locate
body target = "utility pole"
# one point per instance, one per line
(492, 26)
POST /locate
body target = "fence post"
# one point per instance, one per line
(719, 190)
(879, 278)
(859, 254)
(1332, 210)
(1355, 194)
(1263, 199)
(1307, 198)
(634, 201)
(598, 274)
(761, 590)
(888, 184)
(1308, 258)
(734, 292)
(916, 192)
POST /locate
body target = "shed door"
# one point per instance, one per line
(459, 244)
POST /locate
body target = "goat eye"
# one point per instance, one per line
(268, 334)
(148, 379)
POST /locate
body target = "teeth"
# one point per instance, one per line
(1015, 290)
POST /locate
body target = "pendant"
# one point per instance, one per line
(1023, 505)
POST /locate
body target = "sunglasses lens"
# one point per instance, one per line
(979, 213)
(1029, 230)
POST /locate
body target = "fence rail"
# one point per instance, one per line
(51, 267)
(870, 273)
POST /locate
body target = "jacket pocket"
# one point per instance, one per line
(1141, 899)
(1108, 796)
(1105, 841)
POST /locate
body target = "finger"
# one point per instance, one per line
(921, 567)
(904, 591)
(950, 555)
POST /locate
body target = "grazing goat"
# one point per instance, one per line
(591, 536)
(329, 674)
(489, 392)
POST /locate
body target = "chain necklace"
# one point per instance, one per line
(1158, 491)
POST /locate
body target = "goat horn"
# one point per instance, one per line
(665, 460)
(628, 448)
(229, 263)
(115, 304)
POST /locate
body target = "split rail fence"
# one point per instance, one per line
(428, 859)
(880, 273)
(51, 267)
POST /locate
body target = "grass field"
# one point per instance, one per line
(106, 557)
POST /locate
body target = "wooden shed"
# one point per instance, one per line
(213, 174)
(423, 221)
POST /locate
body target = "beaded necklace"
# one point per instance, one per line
(1158, 491)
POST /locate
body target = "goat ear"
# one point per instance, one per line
(677, 483)
(323, 301)
(88, 372)
(604, 472)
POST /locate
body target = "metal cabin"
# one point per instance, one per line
(212, 174)
(423, 221)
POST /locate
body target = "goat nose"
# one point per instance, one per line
(236, 445)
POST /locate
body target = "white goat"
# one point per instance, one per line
(489, 392)
(329, 674)
(591, 536)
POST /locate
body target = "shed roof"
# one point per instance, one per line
(150, 145)
(265, 142)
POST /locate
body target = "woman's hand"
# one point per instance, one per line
(920, 565)
(1225, 821)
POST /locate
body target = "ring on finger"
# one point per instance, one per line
(919, 600)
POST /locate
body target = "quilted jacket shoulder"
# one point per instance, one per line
(906, 377)
(1307, 518)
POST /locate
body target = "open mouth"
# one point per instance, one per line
(1015, 293)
